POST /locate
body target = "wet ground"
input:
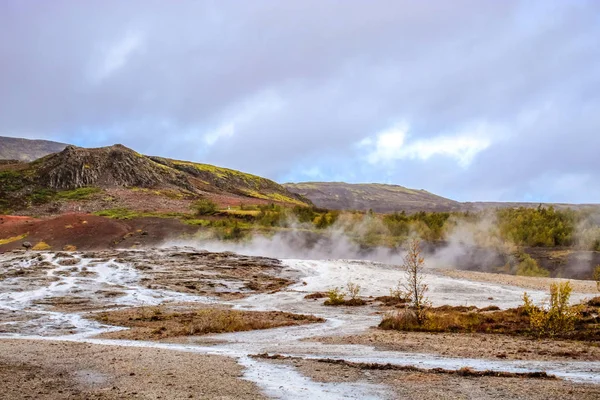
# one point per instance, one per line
(48, 296)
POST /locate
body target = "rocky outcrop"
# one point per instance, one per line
(117, 165)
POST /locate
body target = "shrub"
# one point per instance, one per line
(597, 277)
(403, 320)
(335, 297)
(304, 214)
(398, 293)
(70, 247)
(529, 267)
(235, 233)
(558, 318)
(205, 207)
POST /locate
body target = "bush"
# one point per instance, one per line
(529, 267)
(304, 214)
(403, 320)
(597, 277)
(559, 318)
(335, 297)
(205, 207)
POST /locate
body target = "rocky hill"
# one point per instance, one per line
(27, 150)
(365, 196)
(118, 177)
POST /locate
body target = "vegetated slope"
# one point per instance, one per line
(27, 150)
(111, 173)
(365, 196)
(208, 177)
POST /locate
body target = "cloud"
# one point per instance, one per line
(116, 56)
(392, 145)
(495, 99)
(224, 131)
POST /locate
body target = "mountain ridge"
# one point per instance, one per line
(20, 149)
(378, 197)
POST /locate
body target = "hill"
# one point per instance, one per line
(365, 196)
(27, 150)
(80, 179)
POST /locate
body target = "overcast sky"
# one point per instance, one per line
(473, 100)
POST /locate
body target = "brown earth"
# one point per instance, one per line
(48, 370)
(162, 322)
(473, 345)
(90, 232)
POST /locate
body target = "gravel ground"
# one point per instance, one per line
(66, 370)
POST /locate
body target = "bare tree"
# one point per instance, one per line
(414, 264)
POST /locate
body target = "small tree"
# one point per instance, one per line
(353, 289)
(415, 289)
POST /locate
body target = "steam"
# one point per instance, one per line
(471, 243)
(298, 241)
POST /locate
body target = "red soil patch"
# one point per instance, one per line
(86, 231)
(6, 220)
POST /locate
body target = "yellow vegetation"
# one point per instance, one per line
(12, 239)
(40, 246)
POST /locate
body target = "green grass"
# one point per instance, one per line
(197, 222)
(125, 213)
(82, 193)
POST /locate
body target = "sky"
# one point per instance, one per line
(473, 100)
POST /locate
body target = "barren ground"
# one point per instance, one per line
(62, 317)
(66, 370)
